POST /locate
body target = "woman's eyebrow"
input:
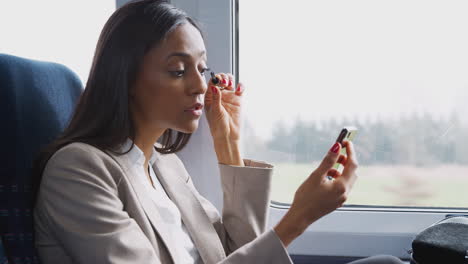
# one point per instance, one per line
(184, 54)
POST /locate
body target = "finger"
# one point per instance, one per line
(224, 81)
(351, 165)
(346, 183)
(342, 159)
(231, 98)
(350, 152)
(217, 76)
(240, 89)
(216, 103)
(329, 160)
(333, 173)
(352, 180)
(349, 148)
(208, 97)
(230, 82)
(227, 81)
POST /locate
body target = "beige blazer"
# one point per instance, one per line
(90, 209)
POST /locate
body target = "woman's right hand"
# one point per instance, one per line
(318, 195)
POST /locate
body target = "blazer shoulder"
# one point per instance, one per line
(79, 150)
(83, 156)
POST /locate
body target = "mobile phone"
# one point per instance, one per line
(347, 133)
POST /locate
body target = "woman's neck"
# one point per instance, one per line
(145, 141)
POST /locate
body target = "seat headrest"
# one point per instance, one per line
(36, 102)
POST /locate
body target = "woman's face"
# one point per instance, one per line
(170, 86)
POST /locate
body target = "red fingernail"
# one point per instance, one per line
(238, 88)
(213, 89)
(224, 81)
(340, 159)
(230, 83)
(335, 147)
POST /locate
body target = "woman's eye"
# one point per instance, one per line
(177, 73)
(204, 70)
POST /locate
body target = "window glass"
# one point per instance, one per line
(397, 70)
(62, 31)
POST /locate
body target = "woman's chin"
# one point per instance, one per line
(188, 128)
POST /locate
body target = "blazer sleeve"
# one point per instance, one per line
(242, 227)
(79, 205)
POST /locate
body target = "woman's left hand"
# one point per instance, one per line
(223, 109)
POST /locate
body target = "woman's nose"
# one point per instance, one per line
(199, 85)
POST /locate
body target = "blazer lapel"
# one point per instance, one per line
(205, 237)
(150, 209)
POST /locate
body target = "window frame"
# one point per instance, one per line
(350, 231)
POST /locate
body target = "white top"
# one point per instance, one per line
(168, 210)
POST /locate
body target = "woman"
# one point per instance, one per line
(111, 194)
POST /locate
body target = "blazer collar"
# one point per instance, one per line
(149, 207)
(172, 174)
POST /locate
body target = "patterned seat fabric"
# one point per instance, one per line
(3, 259)
(36, 101)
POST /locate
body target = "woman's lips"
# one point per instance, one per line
(195, 109)
(194, 112)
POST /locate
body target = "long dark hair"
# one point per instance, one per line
(102, 117)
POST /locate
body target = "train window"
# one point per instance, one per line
(397, 70)
(51, 30)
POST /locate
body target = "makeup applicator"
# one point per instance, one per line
(215, 81)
